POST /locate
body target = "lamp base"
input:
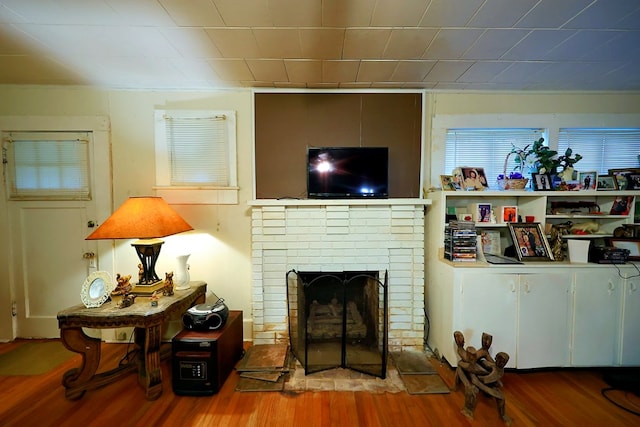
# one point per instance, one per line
(147, 290)
(148, 251)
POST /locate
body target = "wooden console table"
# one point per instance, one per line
(147, 322)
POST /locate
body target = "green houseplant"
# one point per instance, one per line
(538, 157)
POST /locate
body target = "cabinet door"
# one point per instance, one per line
(596, 318)
(543, 329)
(631, 322)
(489, 304)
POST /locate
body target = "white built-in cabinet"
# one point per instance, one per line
(543, 314)
(630, 339)
(596, 317)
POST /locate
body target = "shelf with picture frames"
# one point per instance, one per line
(592, 214)
(576, 296)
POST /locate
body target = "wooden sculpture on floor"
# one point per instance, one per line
(478, 371)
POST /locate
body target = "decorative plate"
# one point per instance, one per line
(96, 289)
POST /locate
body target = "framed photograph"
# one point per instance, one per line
(621, 205)
(508, 214)
(530, 242)
(607, 183)
(633, 181)
(588, 180)
(621, 176)
(490, 241)
(632, 245)
(448, 184)
(541, 181)
(474, 178)
(481, 211)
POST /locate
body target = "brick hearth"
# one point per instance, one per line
(336, 236)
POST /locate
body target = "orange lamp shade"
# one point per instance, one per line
(141, 218)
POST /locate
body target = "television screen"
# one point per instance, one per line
(348, 172)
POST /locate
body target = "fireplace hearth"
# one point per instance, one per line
(339, 320)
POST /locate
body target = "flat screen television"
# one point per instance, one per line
(348, 172)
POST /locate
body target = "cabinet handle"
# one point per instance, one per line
(526, 288)
(632, 287)
(612, 287)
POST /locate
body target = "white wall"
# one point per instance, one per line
(221, 242)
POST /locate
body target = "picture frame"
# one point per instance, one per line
(607, 183)
(508, 214)
(588, 180)
(621, 205)
(633, 181)
(474, 178)
(632, 245)
(96, 289)
(530, 242)
(621, 176)
(481, 212)
(541, 181)
(448, 184)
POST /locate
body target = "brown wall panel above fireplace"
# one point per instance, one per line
(286, 124)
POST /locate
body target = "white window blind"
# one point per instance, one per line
(196, 156)
(48, 165)
(198, 150)
(486, 148)
(602, 149)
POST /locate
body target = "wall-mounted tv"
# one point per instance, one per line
(348, 172)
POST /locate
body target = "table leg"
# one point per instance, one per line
(76, 381)
(149, 341)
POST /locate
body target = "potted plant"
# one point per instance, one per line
(538, 157)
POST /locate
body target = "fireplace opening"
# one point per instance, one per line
(338, 320)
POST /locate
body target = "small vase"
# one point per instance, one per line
(181, 277)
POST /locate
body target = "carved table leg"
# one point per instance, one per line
(76, 381)
(149, 370)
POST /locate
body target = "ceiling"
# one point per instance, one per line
(570, 45)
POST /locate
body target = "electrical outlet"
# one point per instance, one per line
(122, 336)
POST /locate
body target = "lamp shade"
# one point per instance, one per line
(141, 218)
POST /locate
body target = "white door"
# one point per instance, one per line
(49, 256)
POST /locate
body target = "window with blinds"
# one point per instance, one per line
(486, 148)
(602, 149)
(48, 165)
(196, 153)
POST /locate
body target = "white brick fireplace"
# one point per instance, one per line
(336, 236)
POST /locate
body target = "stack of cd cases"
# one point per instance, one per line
(460, 241)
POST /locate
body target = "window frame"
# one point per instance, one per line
(194, 194)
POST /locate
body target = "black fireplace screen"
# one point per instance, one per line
(338, 320)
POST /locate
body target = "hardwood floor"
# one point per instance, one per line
(566, 397)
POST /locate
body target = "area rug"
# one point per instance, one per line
(34, 358)
(418, 374)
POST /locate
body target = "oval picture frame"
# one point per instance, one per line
(96, 289)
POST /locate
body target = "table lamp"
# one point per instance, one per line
(146, 219)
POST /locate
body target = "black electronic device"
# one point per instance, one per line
(608, 255)
(202, 360)
(206, 316)
(348, 172)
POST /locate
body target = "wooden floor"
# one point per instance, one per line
(541, 398)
